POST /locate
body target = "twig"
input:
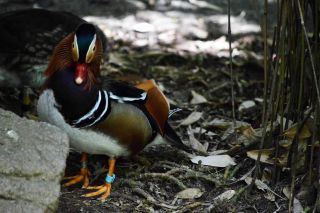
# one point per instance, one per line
(131, 183)
(175, 170)
(239, 193)
(220, 86)
(278, 207)
(152, 200)
(242, 178)
(188, 208)
(189, 173)
(169, 163)
(164, 176)
(197, 175)
(186, 172)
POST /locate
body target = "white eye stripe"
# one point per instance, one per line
(90, 49)
(75, 43)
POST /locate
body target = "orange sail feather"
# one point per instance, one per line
(156, 104)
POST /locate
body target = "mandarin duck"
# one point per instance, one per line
(115, 119)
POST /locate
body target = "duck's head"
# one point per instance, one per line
(83, 50)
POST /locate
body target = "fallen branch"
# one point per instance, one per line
(164, 176)
(197, 175)
(152, 200)
(188, 208)
(189, 173)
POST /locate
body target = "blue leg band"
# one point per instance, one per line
(110, 179)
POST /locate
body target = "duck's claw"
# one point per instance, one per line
(103, 190)
(82, 177)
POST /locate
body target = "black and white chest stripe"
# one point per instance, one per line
(99, 111)
(102, 108)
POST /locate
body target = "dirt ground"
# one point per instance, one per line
(188, 68)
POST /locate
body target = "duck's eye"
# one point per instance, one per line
(94, 48)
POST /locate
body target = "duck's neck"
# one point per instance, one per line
(74, 100)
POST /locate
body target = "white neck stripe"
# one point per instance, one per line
(104, 111)
(91, 112)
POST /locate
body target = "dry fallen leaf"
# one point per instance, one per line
(282, 159)
(285, 143)
(265, 155)
(220, 123)
(197, 98)
(192, 118)
(246, 105)
(297, 207)
(214, 160)
(259, 100)
(227, 195)
(292, 131)
(218, 152)
(260, 185)
(189, 193)
(247, 131)
(211, 134)
(266, 175)
(270, 196)
(195, 144)
(199, 130)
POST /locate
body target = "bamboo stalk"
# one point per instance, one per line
(231, 74)
(309, 51)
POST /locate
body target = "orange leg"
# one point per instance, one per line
(83, 176)
(105, 189)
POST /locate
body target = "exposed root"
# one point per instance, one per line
(189, 173)
(131, 183)
(150, 199)
(164, 176)
(191, 206)
(197, 175)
